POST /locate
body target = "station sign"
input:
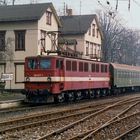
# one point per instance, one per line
(7, 76)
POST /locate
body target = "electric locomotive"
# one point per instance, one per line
(57, 78)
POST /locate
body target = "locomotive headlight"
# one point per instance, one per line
(27, 79)
(49, 79)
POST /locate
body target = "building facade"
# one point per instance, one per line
(87, 32)
(25, 30)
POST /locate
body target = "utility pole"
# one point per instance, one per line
(129, 5)
(64, 10)
(80, 7)
(13, 2)
(33, 1)
(117, 2)
(3, 2)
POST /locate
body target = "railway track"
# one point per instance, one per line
(115, 128)
(89, 123)
(12, 113)
(56, 127)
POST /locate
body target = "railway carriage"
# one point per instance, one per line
(124, 77)
(49, 78)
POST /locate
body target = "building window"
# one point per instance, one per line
(43, 41)
(2, 40)
(20, 40)
(97, 33)
(93, 29)
(87, 48)
(91, 48)
(48, 18)
(89, 32)
(19, 73)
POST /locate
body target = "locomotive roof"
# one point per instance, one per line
(125, 67)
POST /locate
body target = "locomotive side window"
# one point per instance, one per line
(59, 64)
(93, 67)
(105, 68)
(102, 68)
(45, 64)
(68, 65)
(85, 67)
(80, 66)
(74, 66)
(31, 63)
(90, 65)
(97, 67)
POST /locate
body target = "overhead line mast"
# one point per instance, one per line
(117, 3)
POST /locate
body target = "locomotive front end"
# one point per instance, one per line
(41, 82)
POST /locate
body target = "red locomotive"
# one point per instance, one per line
(50, 78)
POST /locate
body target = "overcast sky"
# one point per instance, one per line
(130, 18)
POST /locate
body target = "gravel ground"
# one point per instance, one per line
(10, 96)
(138, 138)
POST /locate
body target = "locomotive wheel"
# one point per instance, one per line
(60, 98)
(104, 92)
(98, 93)
(92, 94)
(71, 96)
(78, 95)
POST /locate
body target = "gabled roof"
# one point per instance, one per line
(27, 12)
(77, 24)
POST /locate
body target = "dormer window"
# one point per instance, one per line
(97, 33)
(93, 29)
(89, 32)
(48, 17)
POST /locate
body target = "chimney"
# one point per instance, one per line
(68, 11)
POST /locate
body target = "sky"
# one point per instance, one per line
(130, 18)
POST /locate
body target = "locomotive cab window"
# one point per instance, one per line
(31, 63)
(45, 64)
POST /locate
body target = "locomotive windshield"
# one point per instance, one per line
(38, 63)
(45, 64)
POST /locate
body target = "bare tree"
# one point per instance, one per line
(111, 30)
(7, 53)
(119, 44)
(7, 2)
